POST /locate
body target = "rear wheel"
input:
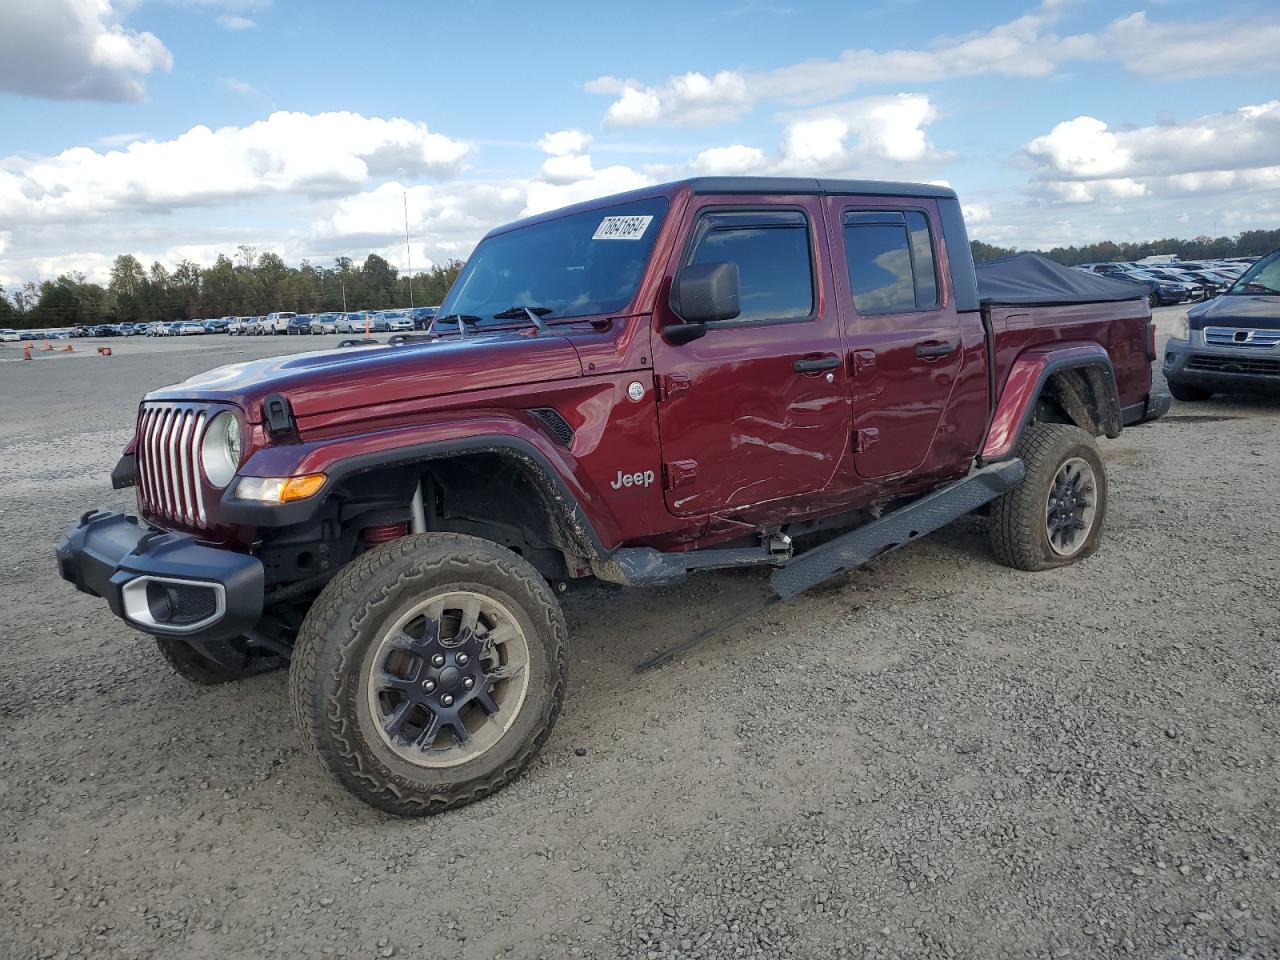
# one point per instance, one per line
(429, 672)
(221, 661)
(1187, 393)
(1055, 515)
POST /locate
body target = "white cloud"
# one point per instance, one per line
(976, 213)
(691, 99)
(1083, 160)
(239, 86)
(1023, 47)
(233, 21)
(866, 137)
(564, 142)
(567, 168)
(287, 153)
(733, 160)
(76, 50)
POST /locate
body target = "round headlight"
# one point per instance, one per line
(221, 449)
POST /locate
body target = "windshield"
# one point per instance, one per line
(1262, 277)
(574, 266)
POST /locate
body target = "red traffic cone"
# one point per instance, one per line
(26, 351)
(105, 351)
(47, 347)
(68, 349)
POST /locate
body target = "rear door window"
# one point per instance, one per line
(889, 254)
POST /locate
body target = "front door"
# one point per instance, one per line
(901, 328)
(757, 410)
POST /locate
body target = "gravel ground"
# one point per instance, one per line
(931, 757)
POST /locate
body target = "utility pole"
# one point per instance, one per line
(343, 283)
(408, 262)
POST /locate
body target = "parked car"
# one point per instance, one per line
(1230, 344)
(350, 323)
(217, 325)
(324, 323)
(398, 321)
(299, 324)
(277, 323)
(422, 317)
(721, 315)
(8, 335)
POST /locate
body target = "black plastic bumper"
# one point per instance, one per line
(216, 594)
(1155, 406)
(1221, 369)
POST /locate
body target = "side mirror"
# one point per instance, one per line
(703, 293)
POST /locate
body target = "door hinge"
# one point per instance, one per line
(865, 439)
(678, 472)
(672, 383)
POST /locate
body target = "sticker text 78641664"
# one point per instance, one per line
(622, 228)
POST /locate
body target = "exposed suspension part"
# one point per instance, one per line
(383, 533)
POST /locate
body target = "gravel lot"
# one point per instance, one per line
(933, 756)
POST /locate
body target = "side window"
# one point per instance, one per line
(889, 254)
(771, 249)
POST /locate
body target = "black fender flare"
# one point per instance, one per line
(546, 477)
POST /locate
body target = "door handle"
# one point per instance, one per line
(933, 349)
(816, 364)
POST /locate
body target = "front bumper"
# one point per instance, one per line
(1221, 369)
(164, 584)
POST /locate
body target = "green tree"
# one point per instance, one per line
(128, 287)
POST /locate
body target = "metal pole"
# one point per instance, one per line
(343, 283)
(407, 259)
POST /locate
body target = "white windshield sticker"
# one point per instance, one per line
(622, 228)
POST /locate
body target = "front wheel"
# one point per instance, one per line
(429, 672)
(1054, 516)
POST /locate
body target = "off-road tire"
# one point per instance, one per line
(341, 629)
(1019, 534)
(1187, 393)
(189, 664)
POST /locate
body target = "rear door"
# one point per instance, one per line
(756, 411)
(901, 327)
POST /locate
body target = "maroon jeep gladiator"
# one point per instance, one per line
(686, 377)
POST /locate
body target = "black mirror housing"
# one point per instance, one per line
(706, 292)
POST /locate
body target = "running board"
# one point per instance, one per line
(853, 549)
(896, 529)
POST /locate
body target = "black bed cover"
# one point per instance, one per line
(1027, 279)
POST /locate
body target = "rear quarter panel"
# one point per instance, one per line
(1119, 328)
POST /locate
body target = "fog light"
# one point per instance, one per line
(173, 606)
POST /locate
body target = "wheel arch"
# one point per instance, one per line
(1071, 384)
(559, 496)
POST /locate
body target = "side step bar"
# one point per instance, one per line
(850, 550)
(896, 529)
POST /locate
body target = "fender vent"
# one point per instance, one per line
(560, 431)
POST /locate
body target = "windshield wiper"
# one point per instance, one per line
(461, 319)
(535, 315)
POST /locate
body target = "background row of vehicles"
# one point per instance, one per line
(283, 323)
(1170, 280)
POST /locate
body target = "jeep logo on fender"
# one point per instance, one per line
(632, 479)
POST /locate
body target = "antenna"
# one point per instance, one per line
(408, 262)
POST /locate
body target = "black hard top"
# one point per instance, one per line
(1027, 279)
(817, 185)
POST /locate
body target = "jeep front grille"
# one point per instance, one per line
(170, 482)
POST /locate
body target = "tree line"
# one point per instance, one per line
(1251, 243)
(250, 285)
(254, 284)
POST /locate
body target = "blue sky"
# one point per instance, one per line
(1060, 121)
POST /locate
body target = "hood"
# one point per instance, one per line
(353, 377)
(1260, 312)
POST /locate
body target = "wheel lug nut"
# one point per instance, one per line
(428, 685)
(462, 659)
(468, 682)
(447, 700)
(438, 660)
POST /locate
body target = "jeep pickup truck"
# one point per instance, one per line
(692, 376)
